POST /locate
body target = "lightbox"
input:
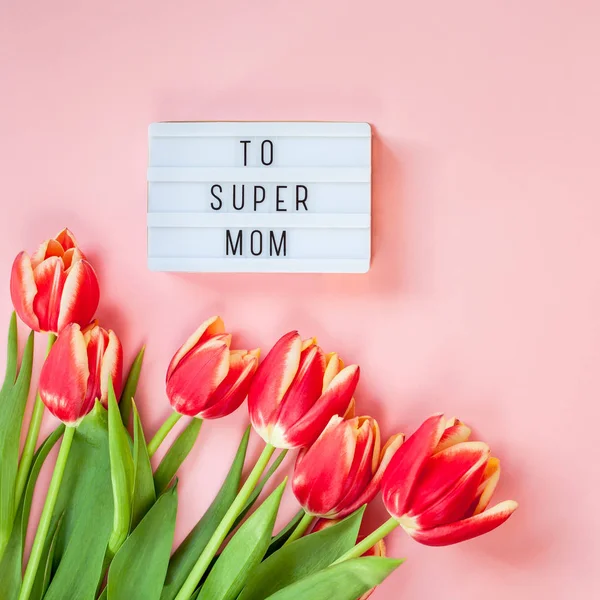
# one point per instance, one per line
(259, 197)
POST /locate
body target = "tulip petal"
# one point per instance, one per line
(50, 280)
(66, 239)
(361, 471)
(64, 376)
(400, 478)
(40, 254)
(322, 470)
(448, 484)
(489, 481)
(198, 375)
(96, 340)
(46, 250)
(210, 327)
(466, 529)
(23, 290)
(388, 452)
(272, 380)
(71, 257)
(304, 390)
(232, 391)
(80, 295)
(334, 366)
(456, 433)
(372, 489)
(351, 410)
(246, 353)
(377, 452)
(112, 367)
(454, 504)
(307, 343)
(334, 401)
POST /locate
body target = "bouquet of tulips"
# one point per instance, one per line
(107, 526)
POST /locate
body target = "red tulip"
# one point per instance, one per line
(296, 391)
(438, 485)
(205, 378)
(379, 549)
(343, 469)
(55, 286)
(77, 371)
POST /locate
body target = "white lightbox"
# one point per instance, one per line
(259, 197)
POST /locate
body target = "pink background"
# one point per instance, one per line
(484, 295)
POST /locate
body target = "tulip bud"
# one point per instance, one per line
(296, 391)
(379, 549)
(77, 371)
(438, 485)
(55, 286)
(205, 378)
(343, 469)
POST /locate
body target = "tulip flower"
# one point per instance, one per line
(80, 369)
(77, 371)
(55, 286)
(342, 470)
(206, 379)
(378, 549)
(296, 391)
(439, 485)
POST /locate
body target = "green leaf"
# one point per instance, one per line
(282, 537)
(130, 388)
(346, 581)
(13, 399)
(259, 488)
(43, 576)
(85, 499)
(121, 472)
(143, 483)
(12, 353)
(191, 548)
(244, 552)
(303, 557)
(139, 567)
(175, 455)
(11, 563)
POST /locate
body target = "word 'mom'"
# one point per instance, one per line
(259, 242)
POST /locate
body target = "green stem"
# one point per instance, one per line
(224, 526)
(369, 541)
(44, 524)
(163, 432)
(300, 529)
(32, 437)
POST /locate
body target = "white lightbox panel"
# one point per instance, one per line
(259, 197)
